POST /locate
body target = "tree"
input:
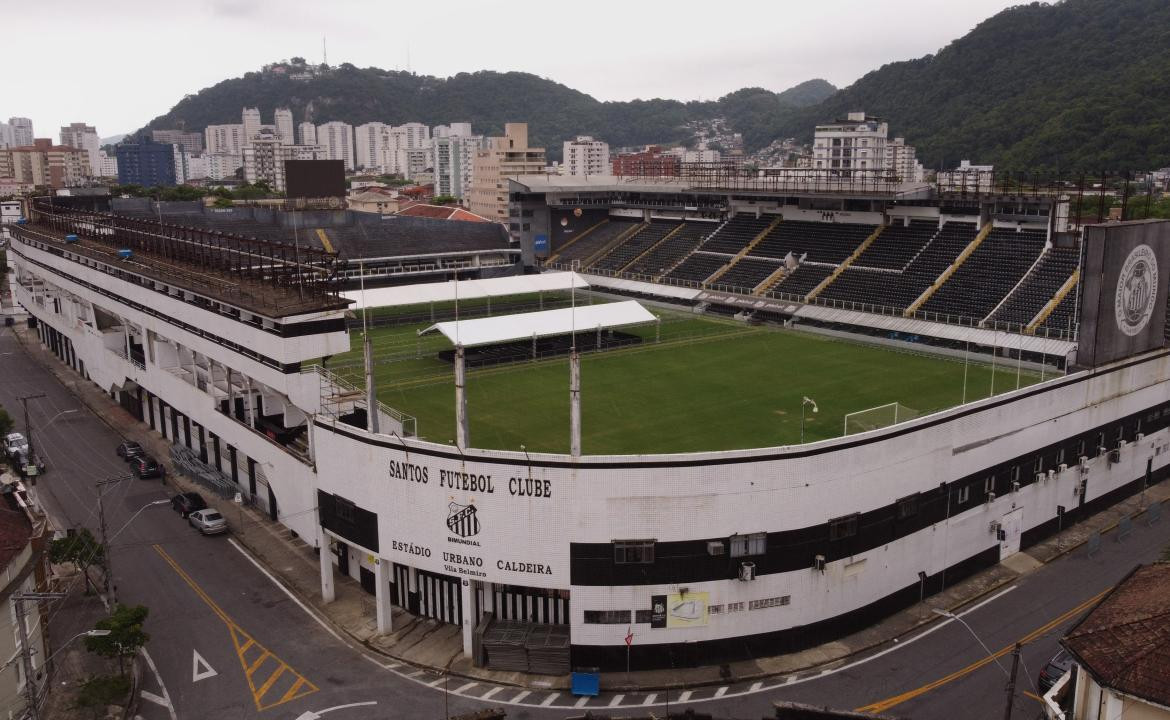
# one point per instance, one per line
(443, 199)
(82, 549)
(5, 422)
(126, 636)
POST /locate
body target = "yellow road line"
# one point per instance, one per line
(1034, 696)
(242, 642)
(883, 705)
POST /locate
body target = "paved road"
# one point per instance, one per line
(228, 642)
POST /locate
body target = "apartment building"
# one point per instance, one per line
(283, 122)
(84, 137)
(43, 164)
(337, 139)
(369, 142)
(585, 156)
(265, 156)
(192, 142)
(502, 158)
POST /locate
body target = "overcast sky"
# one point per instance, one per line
(116, 64)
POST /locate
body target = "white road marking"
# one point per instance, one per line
(755, 687)
(686, 695)
(581, 702)
(158, 678)
(438, 681)
(523, 694)
(617, 700)
(721, 692)
(148, 695)
(200, 668)
(549, 700)
(464, 688)
(488, 695)
(415, 674)
(650, 699)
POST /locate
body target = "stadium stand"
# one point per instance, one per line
(1062, 317)
(1038, 287)
(822, 242)
(803, 279)
(897, 245)
(736, 233)
(633, 246)
(698, 266)
(593, 243)
(988, 274)
(749, 272)
(898, 290)
(672, 249)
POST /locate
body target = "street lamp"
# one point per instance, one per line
(108, 572)
(805, 403)
(54, 418)
(950, 615)
(1010, 688)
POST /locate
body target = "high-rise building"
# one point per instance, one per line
(283, 121)
(902, 161)
(454, 157)
(337, 139)
(146, 162)
(222, 139)
(222, 166)
(107, 165)
(369, 141)
(251, 121)
(851, 147)
(22, 131)
(651, 162)
(400, 153)
(192, 142)
(44, 164)
(306, 133)
(264, 159)
(83, 137)
(502, 158)
(585, 156)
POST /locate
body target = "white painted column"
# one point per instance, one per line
(328, 594)
(468, 620)
(489, 597)
(382, 596)
(461, 438)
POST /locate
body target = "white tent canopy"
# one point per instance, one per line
(463, 290)
(523, 326)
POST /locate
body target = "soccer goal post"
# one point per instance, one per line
(878, 417)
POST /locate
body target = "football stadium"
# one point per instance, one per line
(733, 415)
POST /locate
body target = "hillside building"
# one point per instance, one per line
(306, 133)
(224, 139)
(264, 159)
(283, 120)
(107, 165)
(585, 156)
(192, 142)
(337, 139)
(859, 146)
(369, 142)
(146, 163)
(250, 117)
(222, 166)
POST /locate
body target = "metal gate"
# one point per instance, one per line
(439, 597)
(534, 605)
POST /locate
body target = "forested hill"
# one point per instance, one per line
(1080, 84)
(1074, 85)
(553, 111)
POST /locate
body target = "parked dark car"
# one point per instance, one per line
(187, 503)
(128, 450)
(144, 466)
(1054, 670)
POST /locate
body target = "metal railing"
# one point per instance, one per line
(337, 392)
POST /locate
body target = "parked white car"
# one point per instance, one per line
(15, 444)
(208, 521)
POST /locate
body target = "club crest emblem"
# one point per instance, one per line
(461, 519)
(1137, 290)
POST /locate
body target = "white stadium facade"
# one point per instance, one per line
(706, 557)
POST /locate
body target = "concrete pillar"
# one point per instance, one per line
(575, 403)
(468, 620)
(328, 594)
(489, 597)
(249, 401)
(371, 391)
(231, 390)
(461, 438)
(382, 596)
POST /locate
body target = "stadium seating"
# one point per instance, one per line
(897, 245)
(899, 290)
(1039, 286)
(635, 245)
(673, 249)
(803, 279)
(1062, 317)
(591, 244)
(737, 233)
(748, 273)
(988, 274)
(698, 266)
(821, 242)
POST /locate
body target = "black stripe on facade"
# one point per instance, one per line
(346, 520)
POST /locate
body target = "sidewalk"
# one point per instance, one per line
(431, 645)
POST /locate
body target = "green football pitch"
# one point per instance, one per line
(693, 384)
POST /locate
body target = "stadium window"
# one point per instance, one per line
(1080, 448)
(988, 484)
(963, 495)
(633, 552)
(1060, 457)
(643, 617)
(908, 507)
(607, 617)
(1015, 473)
(1038, 466)
(752, 544)
(843, 527)
(343, 509)
(1100, 443)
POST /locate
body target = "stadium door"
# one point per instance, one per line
(1011, 526)
(440, 597)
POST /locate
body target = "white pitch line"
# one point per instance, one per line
(650, 699)
(464, 688)
(549, 700)
(519, 698)
(581, 703)
(488, 695)
(686, 695)
(617, 700)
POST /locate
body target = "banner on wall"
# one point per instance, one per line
(657, 611)
(689, 610)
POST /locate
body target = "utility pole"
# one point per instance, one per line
(30, 685)
(107, 570)
(1011, 686)
(27, 427)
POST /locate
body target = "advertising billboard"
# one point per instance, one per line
(314, 178)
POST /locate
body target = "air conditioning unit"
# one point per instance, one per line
(1016, 486)
(747, 571)
(819, 563)
(993, 527)
(990, 497)
(1114, 456)
(1063, 467)
(1051, 474)
(715, 547)
(1041, 477)
(1140, 437)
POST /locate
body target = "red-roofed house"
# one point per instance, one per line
(23, 535)
(441, 212)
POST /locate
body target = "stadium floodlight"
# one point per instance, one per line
(805, 403)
